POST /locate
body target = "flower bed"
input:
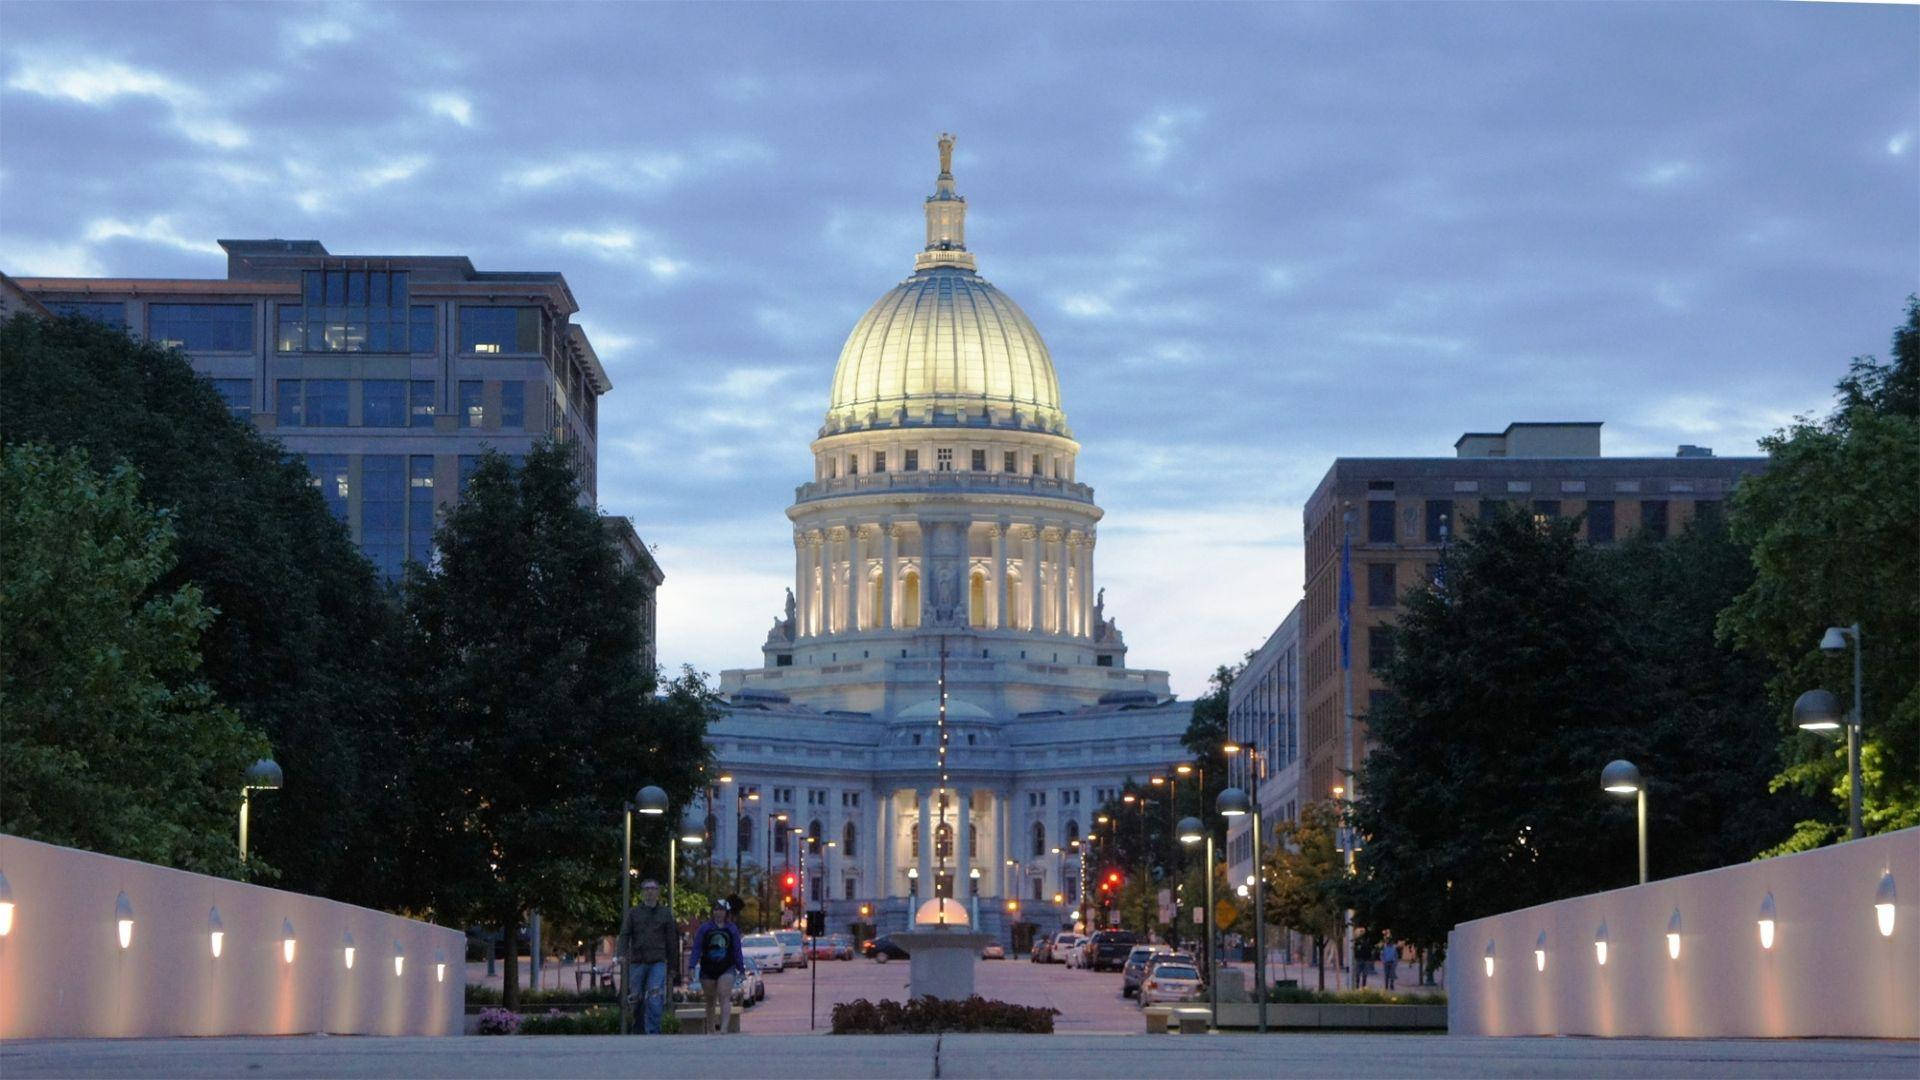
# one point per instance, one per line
(479, 994)
(927, 1015)
(1293, 995)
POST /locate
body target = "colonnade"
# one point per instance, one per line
(1035, 577)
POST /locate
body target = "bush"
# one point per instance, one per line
(499, 1022)
(600, 1020)
(927, 1015)
(481, 994)
(1293, 995)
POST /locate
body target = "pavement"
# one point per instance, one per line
(1190, 1057)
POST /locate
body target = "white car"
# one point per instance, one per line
(764, 950)
(1172, 982)
(749, 987)
(1064, 946)
(795, 944)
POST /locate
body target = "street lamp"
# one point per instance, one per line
(1623, 778)
(262, 775)
(1233, 803)
(766, 883)
(1818, 710)
(1191, 831)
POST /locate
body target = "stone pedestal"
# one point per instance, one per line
(942, 960)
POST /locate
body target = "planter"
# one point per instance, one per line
(1246, 1015)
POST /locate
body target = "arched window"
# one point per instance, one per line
(779, 840)
(916, 842)
(943, 841)
(1039, 839)
(870, 610)
(977, 599)
(908, 616)
(813, 837)
(846, 841)
(973, 841)
(746, 835)
(1073, 831)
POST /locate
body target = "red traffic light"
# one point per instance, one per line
(790, 880)
(1113, 877)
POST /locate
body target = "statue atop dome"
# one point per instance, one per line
(946, 156)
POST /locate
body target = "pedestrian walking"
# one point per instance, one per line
(718, 962)
(1389, 962)
(650, 942)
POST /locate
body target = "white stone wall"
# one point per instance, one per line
(63, 973)
(1829, 973)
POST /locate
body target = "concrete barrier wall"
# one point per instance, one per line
(64, 973)
(1830, 972)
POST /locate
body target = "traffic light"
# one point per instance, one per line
(789, 886)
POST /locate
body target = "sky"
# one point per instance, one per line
(1255, 237)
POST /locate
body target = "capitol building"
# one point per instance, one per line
(944, 539)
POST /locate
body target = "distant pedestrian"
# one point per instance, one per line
(718, 962)
(1389, 963)
(650, 942)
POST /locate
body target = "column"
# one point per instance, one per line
(879, 883)
(999, 535)
(816, 584)
(889, 542)
(1087, 628)
(1030, 603)
(829, 606)
(857, 582)
(926, 823)
(801, 578)
(962, 829)
(1060, 583)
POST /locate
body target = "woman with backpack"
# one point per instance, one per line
(717, 963)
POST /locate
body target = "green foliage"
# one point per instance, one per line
(1294, 995)
(1204, 738)
(1305, 874)
(600, 1020)
(300, 646)
(482, 994)
(927, 1016)
(109, 740)
(1833, 527)
(534, 719)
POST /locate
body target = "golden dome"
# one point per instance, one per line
(945, 346)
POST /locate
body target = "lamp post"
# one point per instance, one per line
(262, 775)
(1818, 710)
(1191, 831)
(1232, 803)
(652, 802)
(1623, 778)
(766, 883)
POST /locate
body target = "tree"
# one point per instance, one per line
(302, 642)
(1204, 738)
(1833, 527)
(109, 739)
(1305, 878)
(536, 720)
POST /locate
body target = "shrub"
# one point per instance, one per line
(600, 1020)
(499, 1022)
(1293, 995)
(481, 994)
(669, 1023)
(927, 1015)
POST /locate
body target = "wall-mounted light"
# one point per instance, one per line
(1540, 952)
(399, 958)
(123, 918)
(6, 907)
(1673, 936)
(1489, 959)
(439, 965)
(1882, 904)
(286, 939)
(1766, 922)
(346, 945)
(1600, 944)
(216, 933)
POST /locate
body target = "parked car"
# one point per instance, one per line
(1042, 946)
(884, 949)
(795, 944)
(1172, 982)
(1158, 959)
(842, 946)
(1135, 969)
(749, 986)
(1110, 949)
(1076, 954)
(993, 950)
(1063, 944)
(764, 950)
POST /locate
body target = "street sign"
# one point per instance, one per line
(1199, 916)
(1224, 912)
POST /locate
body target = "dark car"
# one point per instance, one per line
(884, 949)
(1110, 949)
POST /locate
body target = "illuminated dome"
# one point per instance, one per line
(941, 912)
(945, 346)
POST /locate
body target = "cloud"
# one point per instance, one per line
(1157, 137)
(100, 82)
(452, 106)
(307, 34)
(622, 245)
(158, 229)
(31, 258)
(1665, 174)
(1900, 144)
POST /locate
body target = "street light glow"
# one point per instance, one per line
(1766, 922)
(216, 933)
(123, 919)
(1883, 901)
(1600, 944)
(1540, 952)
(1673, 936)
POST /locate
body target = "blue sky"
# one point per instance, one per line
(1256, 237)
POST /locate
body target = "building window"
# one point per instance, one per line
(237, 393)
(513, 405)
(383, 403)
(499, 329)
(1544, 511)
(287, 410)
(421, 405)
(943, 459)
(1379, 647)
(383, 526)
(1038, 468)
(743, 836)
(421, 330)
(1010, 462)
(880, 461)
(106, 314)
(326, 402)
(847, 886)
(1600, 521)
(1490, 508)
(848, 839)
(1380, 585)
(420, 509)
(813, 884)
(1035, 882)
(779, 840)
(1039, 839)
(813, 837)
(1653, 518)
(1439, 520)
(913, 461)
(1380, 522)
(979, 461)
(1519, 486)
(1706, 510)
(469, 464)
(473, 409)
(853, 464)
(330, 477)
(353, 311)
(202, 327)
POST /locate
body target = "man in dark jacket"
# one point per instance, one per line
(650, 941)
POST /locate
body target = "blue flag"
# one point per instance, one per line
(1346, 602)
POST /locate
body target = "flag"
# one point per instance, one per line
(1346, 602)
